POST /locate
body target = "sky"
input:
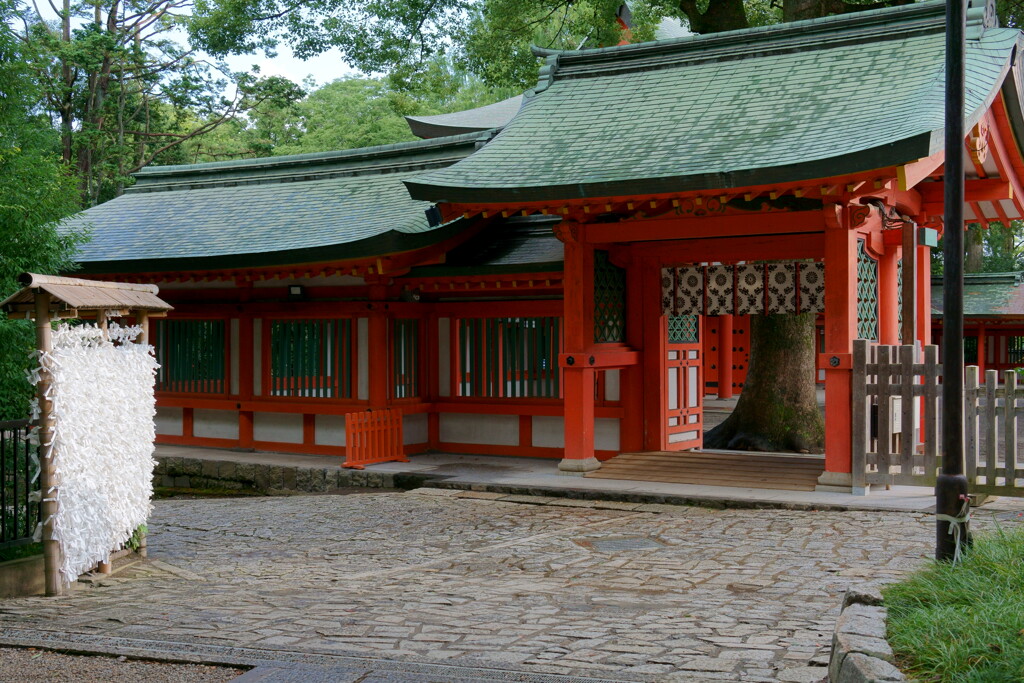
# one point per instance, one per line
(323, 68)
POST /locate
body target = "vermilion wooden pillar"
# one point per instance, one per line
(577, 375)
(655, 338)
(924, 295)
(888, 297)
(631, 394)
(982, 341)
(378, 347)
(840, 331)
(725, 323)
(246, 365)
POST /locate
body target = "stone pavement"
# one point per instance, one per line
(442, 585)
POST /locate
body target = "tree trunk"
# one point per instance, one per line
(974, 260)
(778, 408)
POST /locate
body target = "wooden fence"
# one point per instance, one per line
(373, 436)
(896, 398)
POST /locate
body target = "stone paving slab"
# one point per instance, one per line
(442, 581)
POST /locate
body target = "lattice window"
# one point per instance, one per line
(867, 294)
(311, 358)
(683, 329)
(192, 356)
(406, 357)
(1015, 350)
(609, 300)
(509, 357)
(970, 350)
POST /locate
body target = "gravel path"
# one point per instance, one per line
(51, 667)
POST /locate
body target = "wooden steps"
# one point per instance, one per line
(722, 468)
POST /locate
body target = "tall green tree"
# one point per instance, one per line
(36, 191)
(122, 91)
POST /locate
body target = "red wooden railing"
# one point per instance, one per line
(373, 436)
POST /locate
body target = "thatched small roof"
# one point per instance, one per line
(83, 296)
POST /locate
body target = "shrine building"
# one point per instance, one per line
(558, 279)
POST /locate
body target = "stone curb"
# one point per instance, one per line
(196, 473)
(860, 652)
(644, 498)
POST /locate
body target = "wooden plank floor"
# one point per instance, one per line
(722, 468)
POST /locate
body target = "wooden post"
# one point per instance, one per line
(910, 284)
(725, 323)
(924, 295)
(982, 343)
(47, 472)
(888, 298)
(578, 376)
(378, 348)
(655, 338)
(840, 330)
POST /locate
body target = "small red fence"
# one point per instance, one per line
(373, 436)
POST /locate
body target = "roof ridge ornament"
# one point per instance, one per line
(546, 76)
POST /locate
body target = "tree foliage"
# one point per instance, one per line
(36, 191)
(122, 92)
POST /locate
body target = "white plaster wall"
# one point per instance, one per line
(257, 357)
(414, 428)
(234, 331)
(548, 432)
(169, 421)
(215, 424)
(281, 427)
(606, 434)
(363, 359)
(444, 357)
(492, 430)
(330, 430)
(611, 385)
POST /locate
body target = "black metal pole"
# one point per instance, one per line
(951, 486)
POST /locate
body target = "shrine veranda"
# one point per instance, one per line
(527, 290)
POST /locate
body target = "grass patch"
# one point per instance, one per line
(20, 551)
(965, 622)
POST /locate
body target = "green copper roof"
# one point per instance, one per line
(259, 212)
(986, 295)
(796, 101)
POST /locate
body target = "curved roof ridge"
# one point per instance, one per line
(312, 158)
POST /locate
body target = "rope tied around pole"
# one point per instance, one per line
(956, 526)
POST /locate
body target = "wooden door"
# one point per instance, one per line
(684, 386)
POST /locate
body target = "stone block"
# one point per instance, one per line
(209, 469)
(172, 466)
(873, 647)
(182, 482)
(865, 594)
(167, 481)
(227, 470)
(358, 478)
(303, 479)
(860, 668)
(862, 620)
(288, 478)
(192, 466)
(245, 472)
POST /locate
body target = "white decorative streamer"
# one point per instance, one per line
(103, 410)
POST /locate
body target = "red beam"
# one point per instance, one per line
(773, 223)
(732, 249)
(1008, 162)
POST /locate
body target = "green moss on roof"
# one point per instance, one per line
(295, 209)
(792, 102)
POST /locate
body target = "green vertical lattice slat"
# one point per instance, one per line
(683, 329)
(1015, 350)
(970, 350)
(509, 357)
(867, 294)
(406, 358)
(191, 354)
(311, 358)
(609, 300)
